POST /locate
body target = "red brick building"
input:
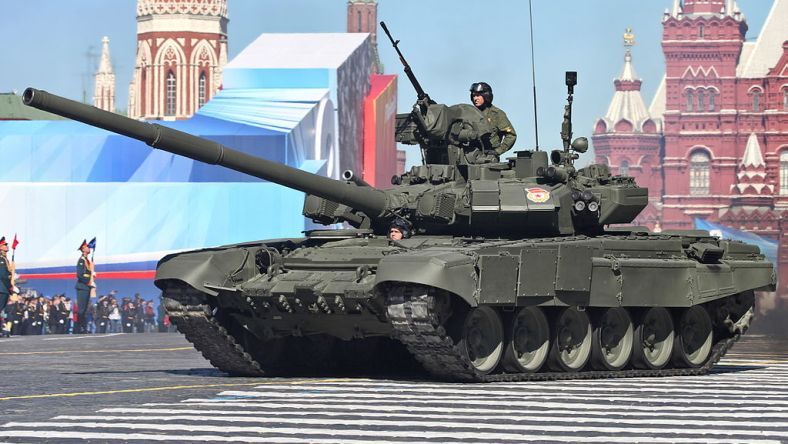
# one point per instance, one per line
(714, 142)
(181, 50)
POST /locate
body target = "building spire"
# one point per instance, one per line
(104, 92)
(628, 72)
(676, 9)
(627, 112)
(751, 174)
(105, 65)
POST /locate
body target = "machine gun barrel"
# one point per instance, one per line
(371, 201)
(408, 72)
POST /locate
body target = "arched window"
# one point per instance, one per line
(201, 91)
(756, 100)
(701, 100)
(359, 21)
(699, 173)
(690, 99)
(170, 107)
(785, 99)
(712, 99)
(784, 173)
(701, 32)
(623, 168)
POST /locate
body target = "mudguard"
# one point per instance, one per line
(218, 266)
(447, 270)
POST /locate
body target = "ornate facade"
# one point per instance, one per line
(721, 118)
(181, 51)
(104, 90)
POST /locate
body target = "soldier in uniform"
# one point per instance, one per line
(399, 229)
(85, 284)
(6, 274)
(503, 136)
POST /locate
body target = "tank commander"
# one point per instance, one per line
(399, 229)
(504, 135)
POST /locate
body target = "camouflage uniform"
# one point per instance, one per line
(503, 136)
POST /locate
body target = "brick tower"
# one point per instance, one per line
(181, 51)
(702, 42)
(362, 16)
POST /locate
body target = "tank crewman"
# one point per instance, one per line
(85, 284)
(504, 135)
(399, 229)
(6, 274)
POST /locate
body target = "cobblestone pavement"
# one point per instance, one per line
(157, 388)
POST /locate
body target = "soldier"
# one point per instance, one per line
(6, 274)
(503, 136)
(400, 229)
(85, 284)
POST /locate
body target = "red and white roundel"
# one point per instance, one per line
(538, 195)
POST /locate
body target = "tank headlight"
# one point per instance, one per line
(580, 206)
(593, 207)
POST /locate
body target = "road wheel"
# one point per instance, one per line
(482, 339)
(611, 346)
(653, 342)
(571, 343)
(528, 341)
(694, 334)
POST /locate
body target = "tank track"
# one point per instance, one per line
(190, 312)
(416, 324)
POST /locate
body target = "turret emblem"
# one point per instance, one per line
(538, 195)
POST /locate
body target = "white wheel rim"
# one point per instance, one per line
(483, 335)
(657, 336)
(616, 336)
(695, 332)
(531, 338)
(574, 338)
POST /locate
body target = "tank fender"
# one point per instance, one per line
(213, 267)
(450, 271)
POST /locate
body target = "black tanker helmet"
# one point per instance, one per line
(403, 226)
(484, 89)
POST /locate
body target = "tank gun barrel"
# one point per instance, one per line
(371, 201)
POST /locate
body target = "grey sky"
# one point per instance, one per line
(449, 43)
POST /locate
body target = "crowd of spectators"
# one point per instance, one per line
(33, 314)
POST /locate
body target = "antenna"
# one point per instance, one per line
(90, 70)
(533, 74)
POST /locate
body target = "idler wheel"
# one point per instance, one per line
(653, 342)
(482, 339)
(611, 346)
(693, 340)
(528, 341)
(571, 343)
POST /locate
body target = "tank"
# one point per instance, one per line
(516, 269)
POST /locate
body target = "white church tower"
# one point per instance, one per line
(104, 92)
